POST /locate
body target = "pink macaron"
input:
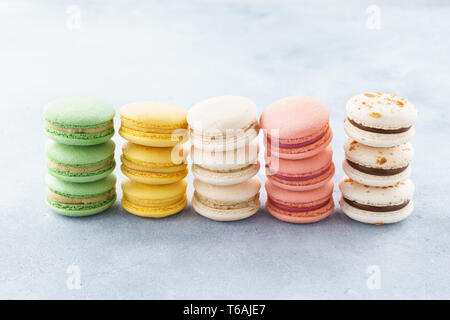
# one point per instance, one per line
(302, 174)
(300, 206)
(296, 127)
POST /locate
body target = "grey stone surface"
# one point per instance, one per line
(183, 52)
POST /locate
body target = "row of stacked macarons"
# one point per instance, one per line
(80, 156)
(224, 153)
(377, 188)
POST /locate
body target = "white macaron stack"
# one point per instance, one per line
(224, 153)
(377, 188)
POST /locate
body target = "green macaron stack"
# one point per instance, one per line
(80, 156)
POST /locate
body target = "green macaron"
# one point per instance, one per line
(79, 163)
(80, 199)
(79, 121)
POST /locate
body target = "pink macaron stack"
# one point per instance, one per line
(299, 164)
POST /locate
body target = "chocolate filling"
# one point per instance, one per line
(298, 209)
(376, 171)
(378, 130)
(298, 145)
(367, 207)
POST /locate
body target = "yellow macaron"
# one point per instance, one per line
(154, 201)
(154, 165)
(154, 124)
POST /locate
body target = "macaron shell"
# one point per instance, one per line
(156, 157)
(376, 196)
(302, 152)
(306, 166)
(153, 177)
(80, 139)
(154, 212)
(222, 113)
(224, 214)
(225, 178)
(373, 139)
(236, 192)
(154, 115)
(381, 110)
(81, 213)
(380, 158)
(374, 180)
(312, 184)
(79, 156)
(295, 197)
(286, 216)
(376, 218)
(133, 189)
(79, 112)
(230, 143)
(296, 116)
(226, 160)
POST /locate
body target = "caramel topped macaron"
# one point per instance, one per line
(376, 205)
(378, 167)
(380, 119)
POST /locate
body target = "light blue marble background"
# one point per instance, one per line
(182, 52)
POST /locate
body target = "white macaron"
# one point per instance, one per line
(380, 119)
(227, 203)
(379, 167)
(223, 123)
(226, 167)
(376, 205)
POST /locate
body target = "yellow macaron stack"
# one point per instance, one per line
(154, 158)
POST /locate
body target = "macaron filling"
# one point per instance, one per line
(76, 203)
(233, 170)
(227, 135)
(378, 130)
(81, 132)
(301, 178)
(226, 205)
(297, 145)
(376, 171)
(298, 209)
(371, 208)
(155, 174)
(81, 171)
